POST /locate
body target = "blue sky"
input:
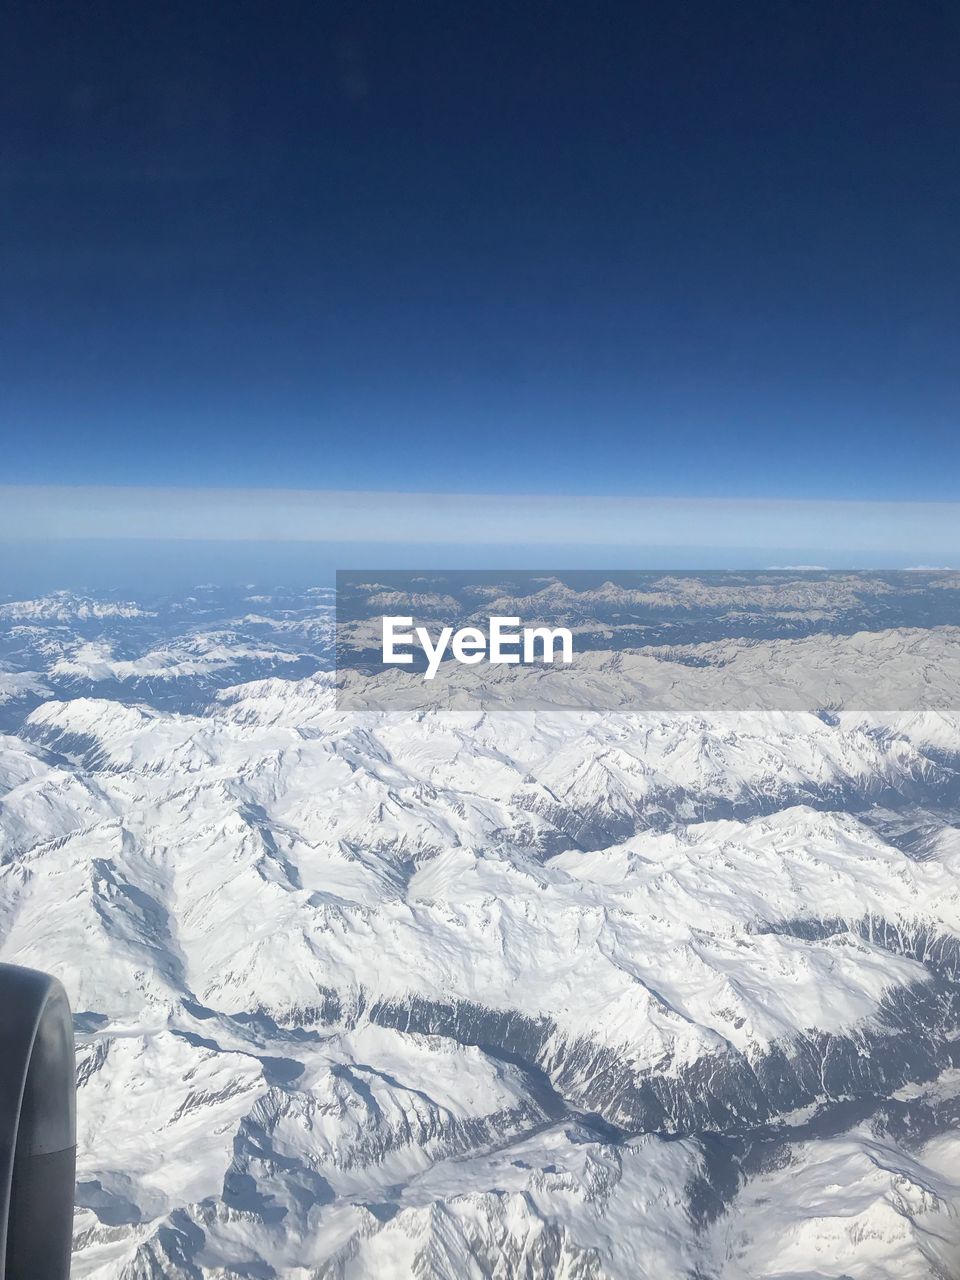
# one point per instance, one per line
(684, 251)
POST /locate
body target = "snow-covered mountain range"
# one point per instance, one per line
(517, 987)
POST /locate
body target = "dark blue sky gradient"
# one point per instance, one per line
(677, 248)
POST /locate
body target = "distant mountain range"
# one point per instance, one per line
(659, 980)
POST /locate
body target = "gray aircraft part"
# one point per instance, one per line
(38, 1126)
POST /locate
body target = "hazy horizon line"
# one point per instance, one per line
(923, 530)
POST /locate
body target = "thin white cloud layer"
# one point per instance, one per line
(272, 515)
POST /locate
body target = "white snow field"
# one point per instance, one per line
(526, 989)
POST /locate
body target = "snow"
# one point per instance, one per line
(65, 606)
(851, 1206)
(478, 989)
